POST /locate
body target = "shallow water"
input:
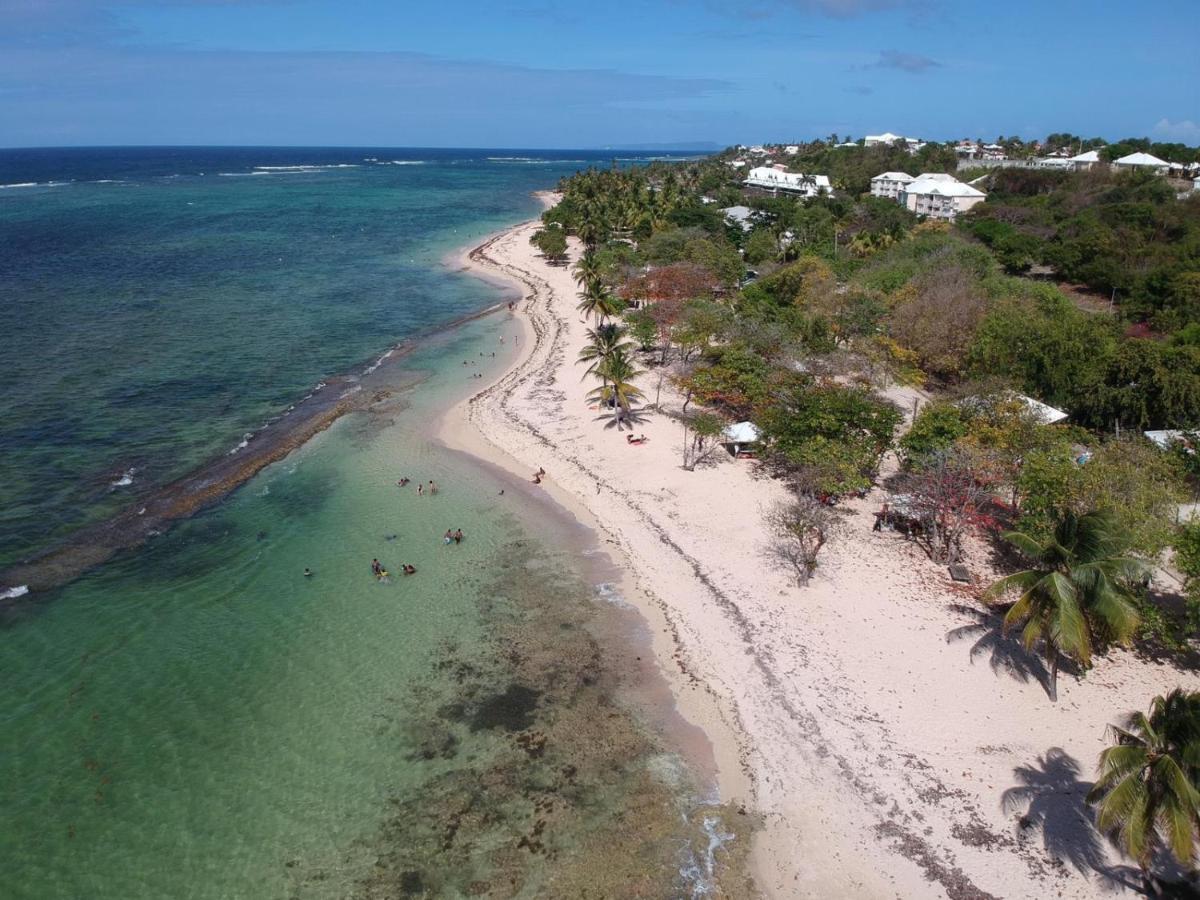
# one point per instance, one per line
(198, 718)
(153, 310)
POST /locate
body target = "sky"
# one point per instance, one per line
(544, 74)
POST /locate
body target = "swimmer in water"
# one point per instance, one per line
(307, 572)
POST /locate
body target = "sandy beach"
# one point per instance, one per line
(892, 743)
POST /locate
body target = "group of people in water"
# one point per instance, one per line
(422, 489)
(381, 573)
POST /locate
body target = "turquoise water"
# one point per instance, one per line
(200, 719)
(150, 315)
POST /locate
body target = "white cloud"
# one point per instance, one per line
(1184, 130)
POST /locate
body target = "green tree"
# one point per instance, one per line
(617, 390)
(1146, 795)
(1076, 595)
(761, 246)
(552, 242)
(604, 341)
(597, 300)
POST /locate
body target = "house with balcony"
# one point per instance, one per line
(939, 196)
(890, 185)
(776, 180)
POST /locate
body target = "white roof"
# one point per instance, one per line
(1164, 439)
(886, 138)
(1053, 162)
(765, 176)
(1140, 159)
(742, 433)
(1090, 156)
(893, 176)
(935, 176)
(1045, 414)
(943, 185)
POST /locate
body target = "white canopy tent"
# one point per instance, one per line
(741, 435)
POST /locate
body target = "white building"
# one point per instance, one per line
(1084, 160)
(1052, 162)
(939, 196)
(776, 180)
(1143, 161)
(886, 138)
(742, 216)
(890, 184)
(791, 149)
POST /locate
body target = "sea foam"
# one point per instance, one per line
(12, 593)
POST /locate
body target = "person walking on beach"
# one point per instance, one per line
(881, 518)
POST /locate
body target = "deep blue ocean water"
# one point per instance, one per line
(158, 303)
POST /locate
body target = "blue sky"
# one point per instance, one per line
(536, 73)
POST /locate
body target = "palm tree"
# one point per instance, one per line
(595, 299)
(587, 269)
(616, 374)
(604, 341)
(1146, 795)
(1076, 592)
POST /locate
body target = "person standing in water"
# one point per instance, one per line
(432, 487)
(376, 568)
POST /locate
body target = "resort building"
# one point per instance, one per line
(776, 180)
(939, 196)
(1144, 162)
(890, 184)
(1084, 161)
(886, 138)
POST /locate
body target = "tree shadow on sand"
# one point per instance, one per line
(627, 420)
(1052, 799)
(1004, 653)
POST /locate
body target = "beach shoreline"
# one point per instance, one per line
(851, 716)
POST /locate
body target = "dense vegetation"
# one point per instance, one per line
(799, 318)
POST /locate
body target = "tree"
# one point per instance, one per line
(1131, 480)
(950, 494)
(829, 437)
(1076, 595)
(617, 390)
(642, 328)
(1146, 796)
(552, 242)
(798, 529)
(938, 316)
(761, 246)
(604, 342)
(701, 438)
(596, 300)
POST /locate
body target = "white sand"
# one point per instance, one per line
(877, 747)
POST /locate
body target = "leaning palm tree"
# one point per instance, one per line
(1076, 592)
(616, 374)
(1146, 796)
(597, 300)
(604, 341)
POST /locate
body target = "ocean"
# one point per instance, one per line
(198, 717)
